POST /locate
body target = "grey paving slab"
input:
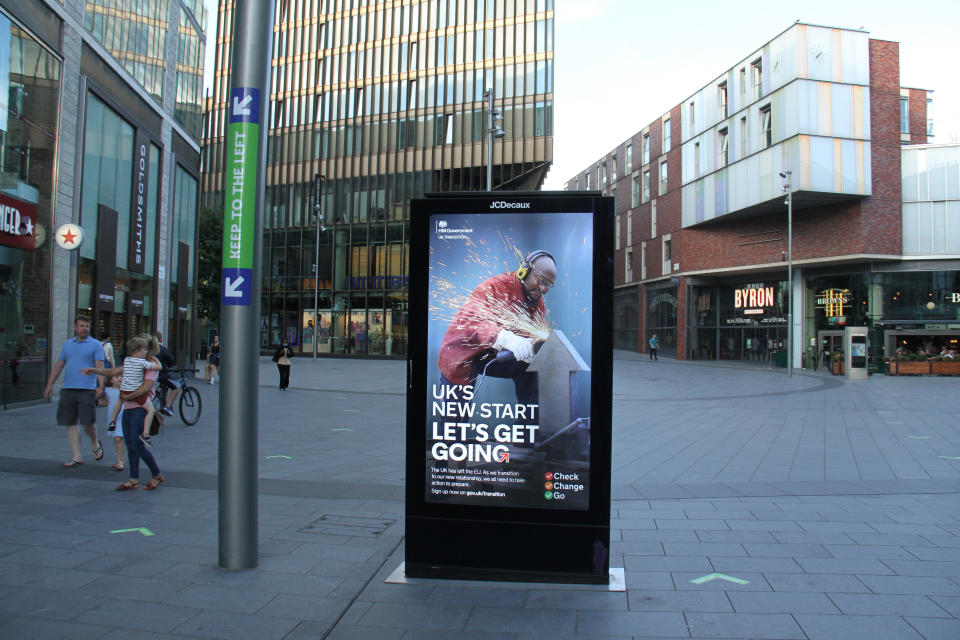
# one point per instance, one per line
(235, 626)
(820, 582)
(651, 600)
(576, 600)
(884, 604)
(418, 616)
(950, 604)
(50, 630)
(528, 620)
(924, 568)
(781, 602)
(909, 584)
(936, 628)
(633, 624)
(744, 625)
(849, 627)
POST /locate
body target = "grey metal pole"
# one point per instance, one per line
(488, 96)
(317, 185)
(790, 349)
(245, 150)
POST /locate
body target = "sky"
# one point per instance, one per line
(620, 64)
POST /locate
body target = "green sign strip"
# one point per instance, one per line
(240, 195)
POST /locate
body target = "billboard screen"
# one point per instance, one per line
(509, 331)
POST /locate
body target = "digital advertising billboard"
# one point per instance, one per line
(510, 361)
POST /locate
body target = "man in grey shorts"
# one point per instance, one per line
(79, 392)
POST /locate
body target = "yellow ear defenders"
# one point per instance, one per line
(524, 270)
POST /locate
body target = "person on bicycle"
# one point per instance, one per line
(168, 386)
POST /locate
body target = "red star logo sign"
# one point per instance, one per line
(69, 238)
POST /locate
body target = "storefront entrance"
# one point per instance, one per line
(830, 342)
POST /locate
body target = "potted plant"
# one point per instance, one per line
(836, 362)
(945, 366)
(915, 364)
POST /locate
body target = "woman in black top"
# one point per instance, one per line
(282, 357)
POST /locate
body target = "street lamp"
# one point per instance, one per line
(789, 202)
(494, 132)
(317, 195)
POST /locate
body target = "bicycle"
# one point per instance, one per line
(191, 404)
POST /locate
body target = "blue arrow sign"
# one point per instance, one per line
(245, 105)
(236, 287)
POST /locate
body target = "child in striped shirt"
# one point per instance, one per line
(134, 367)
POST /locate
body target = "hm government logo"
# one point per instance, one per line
(502, 204)
(445, 232)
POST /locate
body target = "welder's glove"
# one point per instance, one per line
(522, 348)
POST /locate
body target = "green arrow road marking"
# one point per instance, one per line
(284, 457)
(719, 576)
(343, 429)
(142, 530)
(950, 458)
(919, 437)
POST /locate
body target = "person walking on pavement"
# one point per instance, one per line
(213, 360)
(133, 417)
(282, 357)
(654, 346)
(78, 404)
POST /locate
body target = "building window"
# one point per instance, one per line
(904, 115)
(646, 148)
(743, 137)
(666, 250)
(628, 162)
(653, 219)
(743, 85)
(666, 135)
(691, 109)
(663, 177)
(766, 127)
(587, 175)
(756, 70)
(643, 260)
(602, 175)
(722, 97)
(723, 146)
(646, 186)
(696, 159)
(616, 233)
(635, 193)
(613, 168)
(628, 265)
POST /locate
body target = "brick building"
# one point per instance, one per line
(702, 223)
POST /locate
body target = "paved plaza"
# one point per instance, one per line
(746, 504)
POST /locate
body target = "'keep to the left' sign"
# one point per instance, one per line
(240, 185)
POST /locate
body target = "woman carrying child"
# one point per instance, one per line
(135, 412)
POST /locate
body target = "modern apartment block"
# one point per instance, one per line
(385, 100)
(702, 222)
(100, 115)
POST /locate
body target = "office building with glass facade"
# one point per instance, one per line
(101, 129)
(385, 101)
(703, 236)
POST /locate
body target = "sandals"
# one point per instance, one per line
(72, 463)
(129, 485)
(98, 452)
(117, 467)
(155, 482)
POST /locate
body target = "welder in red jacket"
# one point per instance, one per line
(497, 317)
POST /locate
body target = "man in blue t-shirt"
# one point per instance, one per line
(78, 404)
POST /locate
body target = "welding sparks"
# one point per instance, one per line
(454, 304)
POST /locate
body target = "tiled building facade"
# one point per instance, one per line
(385, 100)
(702, 223)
